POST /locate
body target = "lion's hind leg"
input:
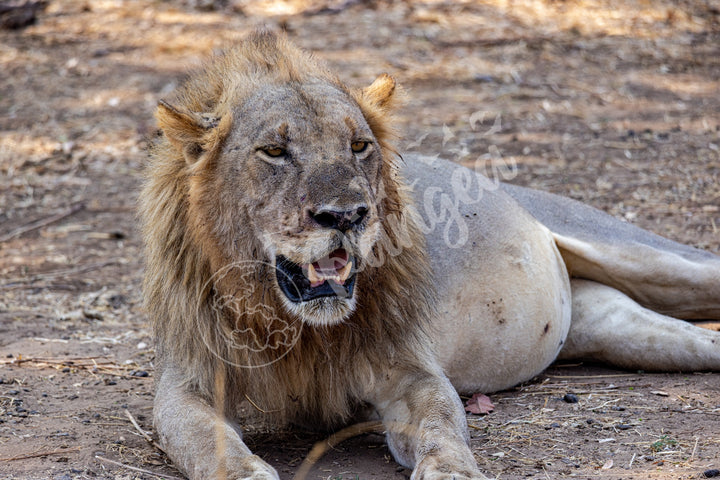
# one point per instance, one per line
(609, 326)
(660, 274)
(670, 282)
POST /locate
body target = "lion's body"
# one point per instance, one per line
(287, 266)
(522, 246)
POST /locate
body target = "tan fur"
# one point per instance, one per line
(332, 365)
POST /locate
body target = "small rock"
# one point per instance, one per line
(16, 14)
(139, 373)
(114, 299)
(570, 398)
(65, 370)
(713, 472)
(13, 392)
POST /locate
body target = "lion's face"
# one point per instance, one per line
(303, 179)
(310, 184)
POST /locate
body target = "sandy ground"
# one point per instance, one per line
(614, 103)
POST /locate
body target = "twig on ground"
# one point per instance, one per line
(136, 469)
(142, 432)
(44, 453)
(320, 448)
(27, 282)
(104, 366)
(43, 222)
(69, 361)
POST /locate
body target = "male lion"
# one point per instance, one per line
(287, 266)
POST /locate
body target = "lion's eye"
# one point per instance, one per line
(359, 147)
(273, 151)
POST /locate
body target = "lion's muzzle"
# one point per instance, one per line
(342, 220)
(330, 276)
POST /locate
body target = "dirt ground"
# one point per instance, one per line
(611, 102)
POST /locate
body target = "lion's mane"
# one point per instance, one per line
(322, 373)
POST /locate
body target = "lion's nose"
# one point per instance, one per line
(342, 220)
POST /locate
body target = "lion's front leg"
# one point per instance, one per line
(201, 443)
(426, 426)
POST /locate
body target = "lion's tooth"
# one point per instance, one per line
(344, 273)
(313, 276)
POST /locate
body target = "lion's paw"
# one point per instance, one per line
(253, 468)
(438, 468)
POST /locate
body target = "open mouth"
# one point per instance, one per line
(330, 276)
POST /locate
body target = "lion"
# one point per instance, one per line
(294, 260)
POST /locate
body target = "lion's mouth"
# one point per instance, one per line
(330, 276)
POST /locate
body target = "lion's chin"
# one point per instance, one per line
(324, 311)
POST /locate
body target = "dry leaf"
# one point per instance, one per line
(479, 404)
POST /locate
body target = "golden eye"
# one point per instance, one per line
(359, 147)
(273, 151)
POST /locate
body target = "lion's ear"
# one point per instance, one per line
(190, 133)
(378, 103)
(381, 92)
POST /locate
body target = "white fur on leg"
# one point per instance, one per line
(609, 326)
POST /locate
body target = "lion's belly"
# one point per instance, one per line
(504, 293)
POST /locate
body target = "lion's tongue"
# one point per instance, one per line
(336, 267)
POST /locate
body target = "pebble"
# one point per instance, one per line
(139, 373)
(570, 398)
(713, 472)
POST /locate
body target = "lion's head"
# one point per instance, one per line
(285, 165)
